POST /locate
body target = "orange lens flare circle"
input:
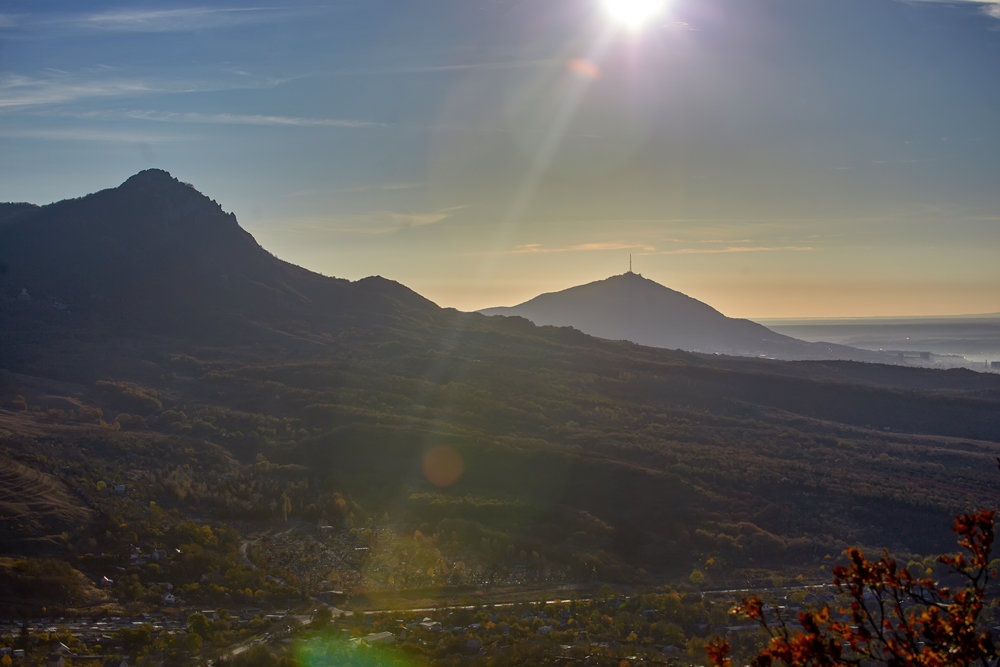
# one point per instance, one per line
(584, 68)
(443, 465)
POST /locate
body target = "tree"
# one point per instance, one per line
(894, 618)
(322, 617)
(198, 624)
(286, 506)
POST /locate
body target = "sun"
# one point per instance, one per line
(633, 14)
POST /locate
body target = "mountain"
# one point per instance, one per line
(157, 250)
(148, 343)
(631, 307)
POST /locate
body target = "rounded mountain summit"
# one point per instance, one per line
(631, 307)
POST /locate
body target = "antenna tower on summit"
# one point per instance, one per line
(630, 262)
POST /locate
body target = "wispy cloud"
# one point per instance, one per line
(458, 67)
(18, 91)
(534, 248)
(730, 249)
(59, 87)
(383, 187)
(375, 187)
(988, 7)
(380, 222)
(87, 134)
(241, 119)
(646, 250)
(154, 20)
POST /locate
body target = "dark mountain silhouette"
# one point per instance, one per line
(630, 307)
(157, 250)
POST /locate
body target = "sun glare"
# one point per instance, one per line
(633, 14)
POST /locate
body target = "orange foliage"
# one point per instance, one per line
(894, 618)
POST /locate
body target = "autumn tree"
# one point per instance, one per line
(893, 617)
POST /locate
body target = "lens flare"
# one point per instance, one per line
(633, 14)
(584, 68)
(443, 465)
(322, 651)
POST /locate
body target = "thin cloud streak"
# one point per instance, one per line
(382, 187)
(989, 7)
(26, 91)
(460, 67)
(19, 91)
(537, 248)
(377, 223)
(102, 136)
(180, 19)
(247, 119)
(731, 249)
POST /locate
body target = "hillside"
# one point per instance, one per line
(278, 400)
(630, 307)
(154, 253)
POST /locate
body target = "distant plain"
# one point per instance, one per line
(974, 337)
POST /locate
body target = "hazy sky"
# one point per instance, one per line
(770, 157)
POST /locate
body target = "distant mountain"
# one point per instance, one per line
(630, 307)
(161, 252)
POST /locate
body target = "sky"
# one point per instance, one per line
(773, 158)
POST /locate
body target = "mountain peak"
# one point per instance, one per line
(631, 307)
(155, 251)
(630, 276)
(148, 177)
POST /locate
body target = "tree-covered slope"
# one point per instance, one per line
(522, 452)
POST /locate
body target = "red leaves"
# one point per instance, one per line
(893, 618)
(718, 652)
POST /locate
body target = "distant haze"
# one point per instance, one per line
(975, 338)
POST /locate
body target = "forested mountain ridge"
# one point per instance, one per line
(577, 458)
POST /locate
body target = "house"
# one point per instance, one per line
(331, 597)
(375, 639)
(62, 649)
(428, 624)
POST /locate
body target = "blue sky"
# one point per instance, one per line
(771, 157)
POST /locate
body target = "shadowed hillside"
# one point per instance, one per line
(155, 252)
(149, 343)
